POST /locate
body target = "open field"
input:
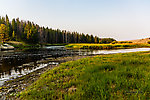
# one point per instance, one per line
(118, 76)
(106, 46)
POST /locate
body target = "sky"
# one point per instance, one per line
(119, 19)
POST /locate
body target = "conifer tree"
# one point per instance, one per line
(4, 32)
(32, 33)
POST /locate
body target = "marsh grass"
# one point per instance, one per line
(103, 77)
(106, 46)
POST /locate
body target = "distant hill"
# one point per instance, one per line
(141, 40)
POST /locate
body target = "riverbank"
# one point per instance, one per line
(12, 87)
(106, 46)
(118, 76)
(25, 46)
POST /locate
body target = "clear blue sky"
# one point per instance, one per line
(119, 19)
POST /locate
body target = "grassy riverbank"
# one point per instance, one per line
(106, 46)
(119, 76)
(24, 46)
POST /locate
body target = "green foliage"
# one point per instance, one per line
(4, 32)
(125, 42)
(106, 46)
(148, 42)
(106, 40)
(114, 42)
(104, 77)
(31, 33)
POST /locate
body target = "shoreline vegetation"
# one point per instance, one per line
(12, 87)
(106, 46)
(24, 46)
(31, 35)
(117, 76)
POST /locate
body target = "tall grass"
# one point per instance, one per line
(104, 77)
(106, 46)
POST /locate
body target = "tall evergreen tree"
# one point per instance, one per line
(4, 32)
(33, 33)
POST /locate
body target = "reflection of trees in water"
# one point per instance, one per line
(11, 60)
(12, 63)
(14, 71)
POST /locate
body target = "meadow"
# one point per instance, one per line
(103, 77)
(106, 46)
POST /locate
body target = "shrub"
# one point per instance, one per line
(148, 42)
(130, 42)
(114, 42)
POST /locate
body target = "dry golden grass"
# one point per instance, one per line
(141, 40)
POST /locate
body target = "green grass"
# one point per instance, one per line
(106, 46)
(26, 46)
(23, 46)
(104, 77)
(58, 44)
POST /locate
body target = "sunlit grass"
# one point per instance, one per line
(112, 77)
(106, 46)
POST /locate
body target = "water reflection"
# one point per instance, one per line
(14, 73)
(15, 64)
(119, 51)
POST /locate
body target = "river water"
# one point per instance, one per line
(15, 64)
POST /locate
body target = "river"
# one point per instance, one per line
(15, 64)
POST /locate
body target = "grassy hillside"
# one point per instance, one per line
(141, 40)
(106, 46)
(119, 76)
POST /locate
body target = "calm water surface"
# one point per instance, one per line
(15, 64)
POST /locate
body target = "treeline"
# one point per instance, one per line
(30, 32)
